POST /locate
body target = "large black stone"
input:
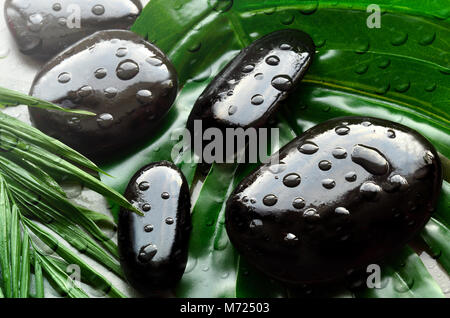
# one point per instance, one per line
(43, 28)
(346, 193)
(129, 83)
(154, 247)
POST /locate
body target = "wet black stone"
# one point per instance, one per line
(130, 100)
(153, 248)
(372, 210)
(250, 88)
(44, 28)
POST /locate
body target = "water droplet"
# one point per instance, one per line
(361, 69)
(311, 214)
(403, 86)
(391, 133)
(57, 7)
(277, 168)
(147, 253)
(121, 52)
(232, 110)
(282, 83)
(286, 18)
(169, 221)
(85, 91)
(351, 176)
(325, 165)
(395, 182)
(248, 68)
(291, 180)
(98, 9)
(195, 47)
(127, 69)
(144, 96)
(110, 92)
(339, 153)
(362, 45)
(148, 228)
(430, 87)
(370, 190)
(74, 121)
(257, 99)
(370, 159)
(144, 185)
(342, 130)
(165, 195)
(270, 200)
(64, 77)
(154, 61)
(309, 8)
(273, 60)
(341, 211)
(399, 39)
(205, 268)
(105, 120)
(384, 63)
(308, 148)
(285, 47)
(428, 39)
(35, 22)
(146, 207)
(259, 76)
(328, 183)
(101, 73)
(298, 203)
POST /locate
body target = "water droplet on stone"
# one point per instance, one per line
(291, 238)
(291, 180)
(98, 9)
(285, 47)
(341, 211)
(144, 96)
(105, 120)
(370, 190)
(232, 110)
(298, 203)
(85, 91)
(127, 69)
(391, 133)
(56, 7)
(257, 99)
(328, 183)
(148, 228)
(259, 76)
(339, 153)
(270, 200)
(147, 253)
(282, 83)
(273, 60)
(110, 92)
(165, 195)
(154, 61)
(370, 159)
(101, 73)
(169, 221)
(311, 214)
(146, 207)
(35, 22)
(144, 185)
(308, 148)
(325, 165)
(342, 130)
(256, 223)
(351, 176)
(121, 52)
(64, 77)
(248, 68)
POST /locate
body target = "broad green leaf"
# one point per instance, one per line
(397, 72)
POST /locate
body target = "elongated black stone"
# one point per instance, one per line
(345, 194)
(129, 83)
(46, 27)
(154, 247)
(250, 88)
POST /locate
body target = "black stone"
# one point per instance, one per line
(250, 88)
(129, 83)
(154, 247)
(46, 27)
(366, 206)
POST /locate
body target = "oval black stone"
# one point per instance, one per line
(250, 88)
(154, 247)
(46, 27)
(114, 75)
(354, 214)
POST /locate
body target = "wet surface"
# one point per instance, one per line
(345, 194)
(154, 247)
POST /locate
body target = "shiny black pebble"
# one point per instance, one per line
(43, 28)
(250, 88)
(129, 83)
(345, 194)
(154, 247)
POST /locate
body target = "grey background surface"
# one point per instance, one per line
(17, 72)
